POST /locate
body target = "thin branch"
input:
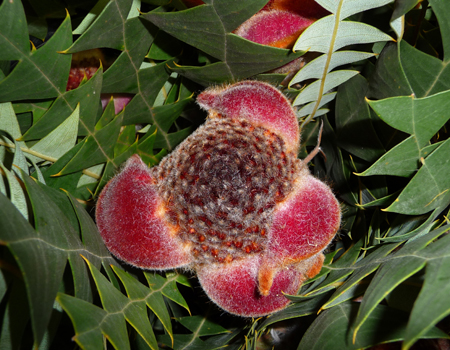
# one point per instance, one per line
(45, 157)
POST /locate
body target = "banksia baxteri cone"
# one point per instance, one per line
(232, 202)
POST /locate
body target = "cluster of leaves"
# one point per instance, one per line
(385, 140)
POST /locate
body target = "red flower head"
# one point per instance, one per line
(232, 202)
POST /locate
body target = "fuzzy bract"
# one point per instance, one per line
(232, 202)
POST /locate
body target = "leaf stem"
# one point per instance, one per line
(327, 64)
(45, 157)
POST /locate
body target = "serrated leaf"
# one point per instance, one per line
(208, 28)
(154, 299)
(168, 287)
(90, 17)
(205, 27)
(145, 149)
(424, 116)
(120, 308)
(429, 189)
(140, 110)
(42, 252)
(106, 30)
(89, 330)
(389, 78)
(426, 74)
(44, 67)
(96, 148)
(402, 160)
(87, 95)
(43, 268)
(243, 61)
(60, 140)
(421, 117)
(123, 75)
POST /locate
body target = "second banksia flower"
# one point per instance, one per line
(231, 202)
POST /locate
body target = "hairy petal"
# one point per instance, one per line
(130, 218)
(305, 223)
(234, 287)
(259, 103)
(274, 28)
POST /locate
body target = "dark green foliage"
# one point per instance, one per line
(386, 277)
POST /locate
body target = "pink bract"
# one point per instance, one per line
(232, 202)
(274, 28)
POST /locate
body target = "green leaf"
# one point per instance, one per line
(309, 108)
(332, 80)
(327, 35)
(89, 330)
(16, 316)
(426, 74)
(362, 269)
(208, 28)
(424, 116)
(90, 17)
(136, 291)
(344, 9)
(96, 148)
(140, 110)
(119, 308)
(60, 140)
(168, 287)
(44, 67)
(339, 269)
(243, 61)
(421, 117)
(442, 10)
(389, 78)
(384, 282)
(355, 131)
(322, 35)
(42, 252)
(330, 329)
(16, 193)
(41, 264)
(107, 29)
(123, 75)
(429, 189)
(201, 326)
(432, 304)
(87, 95)
(315, 68)
(403, 7)
(205, 27)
